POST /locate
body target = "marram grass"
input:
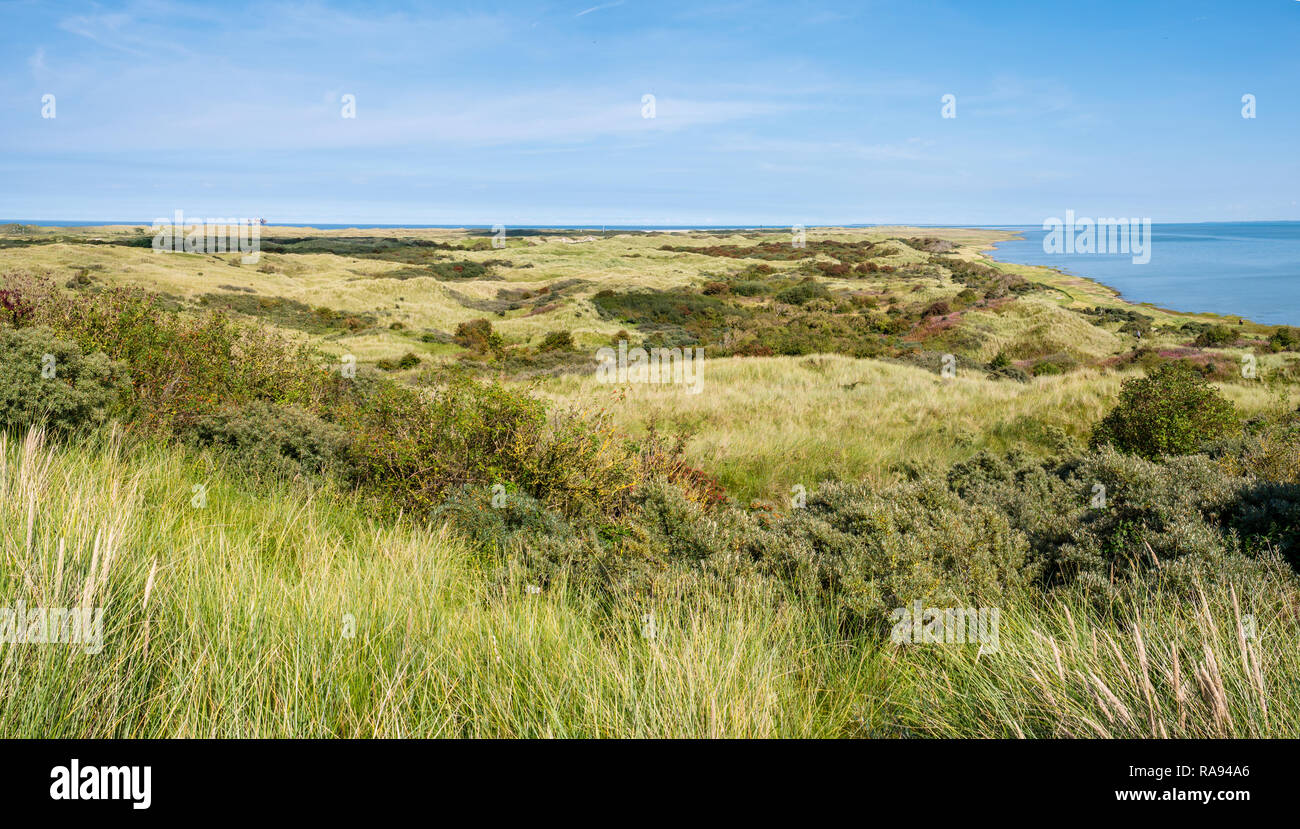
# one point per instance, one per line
(240, 610)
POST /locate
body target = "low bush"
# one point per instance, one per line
(1284, 338)
(265, 439)
(803, 293)
(1173, 411)
(1216, 336)
(870, 552)
(477, 335)
(557, 341)
(50, 381)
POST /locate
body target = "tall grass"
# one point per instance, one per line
(229, 620)
(1220, 665)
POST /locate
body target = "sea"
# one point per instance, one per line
(1245, 269)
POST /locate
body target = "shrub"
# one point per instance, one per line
(1170, 412)
(557, 341)
(1284, 338)
(1216, 336)
(871, 552)
(1053, 364)
(1010, 373)
(477, 335)
(1046, 368)
(407, 360)
(15, 307)
(84, 389)
(265, 439)
(1093, 519)
(803, 293)
(406, 446)
(182, 366)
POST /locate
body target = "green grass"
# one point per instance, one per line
(229, 621)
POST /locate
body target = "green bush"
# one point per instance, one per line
(406, 446)
(477, 335)
(81, 389)
(1284, 338)
(803, 293)
(1096, 518)
(1216, 336)
(557, 341)
(1173, 411)
(871, 552)
(407, 360)
(265, 439)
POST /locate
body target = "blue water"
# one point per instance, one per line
(1248, 269)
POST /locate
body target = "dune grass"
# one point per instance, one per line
(232, 620)
(274, 610)
(764, 425)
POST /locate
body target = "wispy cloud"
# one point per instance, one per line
(598, 8)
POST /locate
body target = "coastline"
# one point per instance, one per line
(989, 251)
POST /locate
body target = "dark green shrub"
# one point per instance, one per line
(84, 389)
(1284, 338)
(1096, 519)
(265, 439)
(1046, 368)
(803, 293)
(1216, 336)
(1009, 372)
(871, 552)
(407, 360)
(749, 288)
(1170, 412)
(406, 446)
(557, 341)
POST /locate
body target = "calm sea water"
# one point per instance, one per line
(1249, 269)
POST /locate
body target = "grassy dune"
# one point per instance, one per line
(764, 425)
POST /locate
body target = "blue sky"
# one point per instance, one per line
(765, 113)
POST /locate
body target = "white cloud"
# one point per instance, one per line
(598, 8)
